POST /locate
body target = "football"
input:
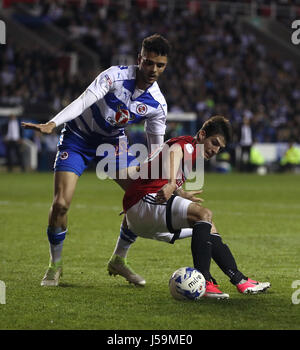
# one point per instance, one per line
(187, 283)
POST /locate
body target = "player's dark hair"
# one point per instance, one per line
(218, 125)
(158, 44)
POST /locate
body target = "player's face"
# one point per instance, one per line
(212, 144)
(151, 66)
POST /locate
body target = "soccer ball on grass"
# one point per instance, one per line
(187, 283)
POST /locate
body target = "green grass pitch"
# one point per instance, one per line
(258, 217)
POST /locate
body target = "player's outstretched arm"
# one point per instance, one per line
(191, 195)
(43, 128)
(70, 112)
(170, 168)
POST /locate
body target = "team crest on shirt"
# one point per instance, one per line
(141, 109)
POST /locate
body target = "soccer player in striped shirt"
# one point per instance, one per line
(119, 96)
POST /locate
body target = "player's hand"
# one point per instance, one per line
(43, 128)
(191, 195)
(165, 193)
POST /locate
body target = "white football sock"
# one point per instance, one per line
(185, 232)
(56, 252)
(122, 247)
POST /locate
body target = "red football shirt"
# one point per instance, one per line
(152, 177)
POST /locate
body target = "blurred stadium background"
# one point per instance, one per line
(229, 57)
(232, 58)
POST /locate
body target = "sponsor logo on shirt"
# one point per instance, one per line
(108, 80)
(122, 116)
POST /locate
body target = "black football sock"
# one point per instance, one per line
(224, 259)
(201, 248)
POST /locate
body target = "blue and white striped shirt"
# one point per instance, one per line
(119, 103)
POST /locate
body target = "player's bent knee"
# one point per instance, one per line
(197, 213)
(207, 216)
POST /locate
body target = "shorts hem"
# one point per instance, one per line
(69, 169)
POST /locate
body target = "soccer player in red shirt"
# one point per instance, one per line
(153, 210)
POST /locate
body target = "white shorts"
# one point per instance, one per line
(149, 219)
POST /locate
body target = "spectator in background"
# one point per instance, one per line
(13, 141)
(50, 145)
(219, 66)
(246, 141)
(47, 149)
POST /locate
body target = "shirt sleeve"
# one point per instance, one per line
(154, 141)
(75, 108)
(103, 83)
(94, 92)
(156, 124)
